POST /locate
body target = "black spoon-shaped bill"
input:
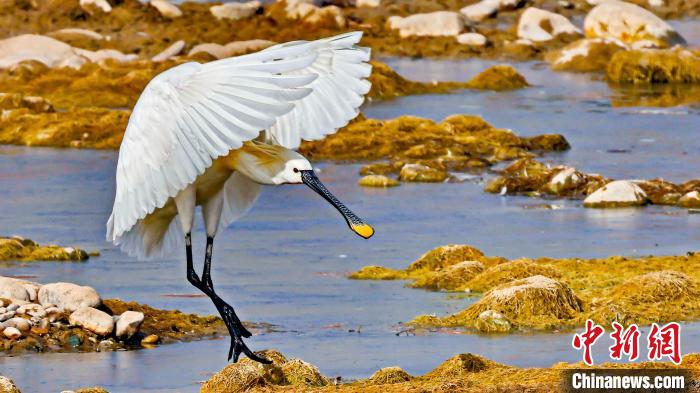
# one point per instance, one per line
(354, 222)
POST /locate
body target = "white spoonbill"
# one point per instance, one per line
(211, 134)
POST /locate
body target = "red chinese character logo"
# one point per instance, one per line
(626, 342)
(586, 340)
(665, 341)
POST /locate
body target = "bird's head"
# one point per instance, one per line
(298, 170)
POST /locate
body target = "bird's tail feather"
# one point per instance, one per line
(151, 237)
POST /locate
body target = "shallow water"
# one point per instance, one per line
(284, 263)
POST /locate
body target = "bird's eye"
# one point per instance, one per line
(296, 170)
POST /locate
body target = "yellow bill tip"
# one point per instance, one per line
(364, 230)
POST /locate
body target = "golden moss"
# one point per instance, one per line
(17, 248)
(535, 302)
(505, 272)
(630, 290)
(389, 375)
(465, 372)
(450, 278)
(444, 256)
(654, 66)
(300, 373)
(94, 389)
(247, 374)
(377, 273)
(422, 150)
(585, 55)
(499, 77)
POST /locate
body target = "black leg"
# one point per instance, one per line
(205, 284)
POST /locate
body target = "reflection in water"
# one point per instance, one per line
(659, 95)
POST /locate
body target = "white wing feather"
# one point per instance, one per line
(193, 113)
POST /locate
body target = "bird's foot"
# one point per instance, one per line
(238, 347)
(230, 319)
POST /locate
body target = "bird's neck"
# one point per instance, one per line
(258, 161)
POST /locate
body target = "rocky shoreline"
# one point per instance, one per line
(65, 317)
(551, 294)
(532, 178)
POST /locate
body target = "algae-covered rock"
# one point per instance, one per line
(503, 273)
(450, 278)
(376, 273)
(444, 256)
(378, 181)
(630, 24)
(389, 375)
(524, 175)
(536, 302)
(18, 248)
(422, 174)
(498, 77)
(93, 389)
(627, 290)
(490, 321)
(585, 55)
(620, 193)
(300, 373)
(247, 374)
(657, 286)
(691, 199)
(460, 365)
(654, 66)
(540, 25)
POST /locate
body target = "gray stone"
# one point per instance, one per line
(12, 333)
(129, 323)
(18, 323)
(69, 296)
(93, 320)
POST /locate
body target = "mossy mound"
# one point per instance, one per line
(17, 248)
(461, 365)
(450, 278)
(444, 256)
(377, 273)
(535, 302)
(499, 77)
(509, 271)
(416, 140)
(564, 292)
(389, 375)
(466, 372)
(247, 374)
(654, 66)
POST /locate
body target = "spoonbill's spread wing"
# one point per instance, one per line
(193, 113)
(336, 94)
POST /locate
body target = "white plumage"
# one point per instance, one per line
(192, 114)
